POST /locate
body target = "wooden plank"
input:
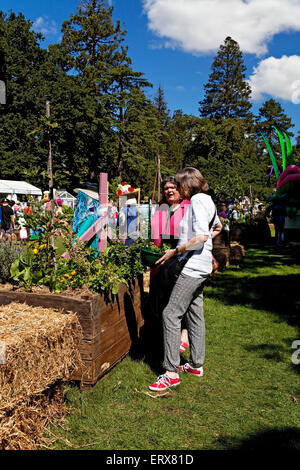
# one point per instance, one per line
(93, 230)
(63, 303)
(96, 368)
(90, 349)
(108, 314)
(103, 200)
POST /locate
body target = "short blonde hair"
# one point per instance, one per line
(191, 181)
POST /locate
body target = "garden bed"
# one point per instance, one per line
(110, 327)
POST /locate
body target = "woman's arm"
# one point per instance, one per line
(193, 244)
(216, 230)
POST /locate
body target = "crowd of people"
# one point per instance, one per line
(8, 216)
(12, 220)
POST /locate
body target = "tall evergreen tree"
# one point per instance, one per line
(271, 113)
(296, 150)
(94, 48)
(182, 132)
(162, 111)
(227, 156)
(227, 93)
(22, 60)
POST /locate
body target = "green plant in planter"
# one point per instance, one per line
(118, 264)
(25, 269)
(101, 272)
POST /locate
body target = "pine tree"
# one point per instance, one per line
(296, 150)
(182, 132)
(227, 93)
(22, 61)
(94, 48)
(272, 114)
(162, 111)
(227, 156)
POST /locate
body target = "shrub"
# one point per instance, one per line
(9, 252)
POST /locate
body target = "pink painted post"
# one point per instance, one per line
(103, 200)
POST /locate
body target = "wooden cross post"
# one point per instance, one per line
(103, 203)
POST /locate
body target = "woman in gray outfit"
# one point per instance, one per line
(198, 227)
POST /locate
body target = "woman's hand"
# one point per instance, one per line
(168, 254)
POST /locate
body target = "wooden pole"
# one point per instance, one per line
(50, 174)
(103, 200)
(50, 168)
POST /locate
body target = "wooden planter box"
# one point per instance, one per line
(221, 249)
(238, 233)
(222, 239)
(109, 328)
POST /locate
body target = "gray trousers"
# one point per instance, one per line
(186, 298)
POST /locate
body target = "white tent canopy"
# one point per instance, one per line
(18, 187)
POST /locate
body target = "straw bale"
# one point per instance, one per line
(38, 346)
(237, 251)
(221, 254)
(146, 279)
(23, 427)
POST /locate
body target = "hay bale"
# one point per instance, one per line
(38, 347)
(23, 427)
(221, 254)
(146, 279)
(237, 251)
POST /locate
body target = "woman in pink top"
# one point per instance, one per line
(165, 229)
(166, 219)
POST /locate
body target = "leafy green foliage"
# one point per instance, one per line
(118, 264)
(101, 119)
(271, 114)
(159, 249)
(226, 153)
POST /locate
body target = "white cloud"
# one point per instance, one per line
(200, 26)
(180, 88)
(279, 78)
(45, 26)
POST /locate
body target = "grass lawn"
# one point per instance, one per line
(249, 395)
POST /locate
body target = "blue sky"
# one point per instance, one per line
(173, 42)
